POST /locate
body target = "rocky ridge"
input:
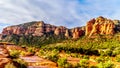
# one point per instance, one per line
(40, 28)
(100, 25)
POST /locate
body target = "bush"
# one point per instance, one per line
(107, 64)
(47, 54)
(21, 63)
(103, 59)
(116, 51)
(84, 63)
(117, 58)
(93, 67)
(23, 53)
(62, 62)
(108, 52)
(14, 53)
(85, 57)
(31, 49)
(76, 55)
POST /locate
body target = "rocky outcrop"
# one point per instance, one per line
(67, 34)
(77, 33)
(100, 25)
(60, 30)
(57, 31)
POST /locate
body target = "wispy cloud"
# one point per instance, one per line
(70, 13)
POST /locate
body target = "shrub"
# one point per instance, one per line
(21, 63)
(116, 51)
(107, 64)
(62, 62)
(100, 65)
(93, 67)
(47, 54)
(31, 49)
(23, 53)
(84, 63)
(117, 58)
(108, 52)
(103, 59)
(85, 57)
(76, 55)
(14, 53)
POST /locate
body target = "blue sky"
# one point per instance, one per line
(69, 13)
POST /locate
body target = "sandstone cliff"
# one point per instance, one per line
(39, 28)
(100, 25)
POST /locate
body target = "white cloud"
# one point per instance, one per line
(70, 13)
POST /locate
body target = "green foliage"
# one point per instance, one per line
(22, 53)
(103, 59)
(31, 49)
(116, 51)
(93, 67)
(47, 54)
(117, 58)
(14, 53)
(86, 57)
(76, 55)
(31, 40)
(107, 64)
(62, 62)
(106, 52)
(84, 63)
(21, 63)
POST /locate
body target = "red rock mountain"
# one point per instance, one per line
(39, 28)
(100, 25)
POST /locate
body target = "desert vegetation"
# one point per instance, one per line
(96, 52)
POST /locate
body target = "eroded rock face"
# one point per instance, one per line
(89, 26)
(57, 31)
(67, 33)
(77, 33)
(39, 28)
(36, 29)
(101, 26)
